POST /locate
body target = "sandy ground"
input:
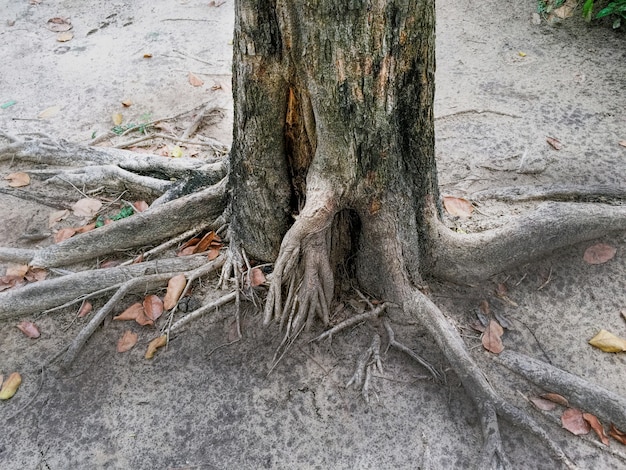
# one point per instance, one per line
(504, 83)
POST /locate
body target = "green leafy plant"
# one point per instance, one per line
(143, 127)
(616, 8)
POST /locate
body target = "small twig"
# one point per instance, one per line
(476, 111)
(184, 54)
(547, 280)
(370, 315)
(221, 346)
(202, 310)
(159, 135)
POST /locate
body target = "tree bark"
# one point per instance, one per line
(334, 115)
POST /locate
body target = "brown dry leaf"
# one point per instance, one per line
(190, 250)
(492, 337)
(597, 427)
(554, 143)
(458, 206)
(622, 143)
(556, 398)
(566, 10)
(86, 207)
(213, 253)
(572, 420)
(154, 345)
(608, 342)
(64, 37)
(194, 80)
(57, 216)
(175, 287)
(131, 313)
(29, 329)
(501, 289)
(7, 282)
(257, 277)
(127, 341)
(143, 320)
(127, 103)
(484, 307)
(35, 274)
(58, 24)
(110, 263)
(599, 253)
(141, 206)
(16, 270)
(117, 119)
(147, 55)
(18, 180)
(86, 228)
(64, 234)
(85, 309)
(152, 307)
(49, 112)
(616, 434)
(542, 403)
(191, 242)
(10, 386)
(205, 242)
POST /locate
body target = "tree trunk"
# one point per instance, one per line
(334, 130)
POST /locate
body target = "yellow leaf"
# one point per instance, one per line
(117, 119)
(17, 180)
(49, 112)
(10, 386)
(522, 54)
(176, 152)
(154, 345)
(608, 342)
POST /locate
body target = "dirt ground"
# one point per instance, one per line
(504, 83)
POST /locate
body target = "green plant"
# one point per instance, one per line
(617, 8)
(143, 127)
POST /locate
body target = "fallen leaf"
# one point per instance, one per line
(152, 307)
(10, 386)
(622, 143)
(484, 307)
(64, 37)
(127, 103)
(127, 341)
(501, 289)
(57, 216)
(190, 250)
(131, 313)
(117, 119)
(16, 270)
(49, 112)
(599, 253)
(175, 287)
(143, 320)
(85, 309)
(59, 24)
(608, 342)
(64, 234)
(141, 206)
(154, 345)
(29, 329)
(257, 277)
(521, 54)
(492, 337)
(556, 398)
(147, 55)
(572, 420)
(87, 207)
(566, 10)
(554, 143)
(542, 403)
(86, 228)
(205, 242)
(458, 206)
(18, 180)
(194, 80)
(176, 152)
(110, 264)
(35, 274)
(597, 427)
(616, 434)
(213, 253)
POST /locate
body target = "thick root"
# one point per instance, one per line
(465, 258)
(554, 192)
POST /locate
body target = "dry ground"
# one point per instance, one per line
(189, 408)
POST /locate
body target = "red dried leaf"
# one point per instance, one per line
(458, 206)
(86, 228)
(556, 398)
(85, 309)
(36, 274)
(554, 143)
(191, 242)
(152, 307)
(213, 253)
(190, 250)
(542, 404)
(17, 271)
(599, 253)
(141, 206)
(64, 234)
(29, 329)
(616, 434)
(175, 287)
(127, 341)
(194, 80)
(131, 313)
(257, 277)
(492, 337)
(597, 427)
(572, 420)
(204, 244)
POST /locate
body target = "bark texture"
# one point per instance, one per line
(333, 114)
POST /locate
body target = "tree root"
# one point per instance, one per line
(487, 401)
(464, 258)
(368, 361)
(554, 192)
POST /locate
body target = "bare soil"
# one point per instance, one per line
(504, 83)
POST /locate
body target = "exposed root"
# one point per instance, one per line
(353, 320)
(73, 288)
(489, 404)
(464, 258)
(554, 192)
(225, 299)
(368, 361)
